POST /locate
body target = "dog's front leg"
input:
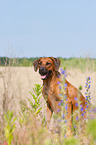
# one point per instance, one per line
(49, 114)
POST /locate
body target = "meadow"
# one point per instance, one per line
(23, 109)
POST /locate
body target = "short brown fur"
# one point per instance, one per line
(51, 88)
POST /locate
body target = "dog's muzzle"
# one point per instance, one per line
(44, 73)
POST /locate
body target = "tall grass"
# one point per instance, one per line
(29, 126)
(79, 63)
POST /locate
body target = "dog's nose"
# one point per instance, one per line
(41, 68)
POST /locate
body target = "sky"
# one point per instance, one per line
(58, 28)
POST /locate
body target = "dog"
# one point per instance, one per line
(49, 71)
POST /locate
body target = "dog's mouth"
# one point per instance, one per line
(45, 75)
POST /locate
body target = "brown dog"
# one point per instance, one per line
(48, 70)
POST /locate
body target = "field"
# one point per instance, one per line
(15, 84)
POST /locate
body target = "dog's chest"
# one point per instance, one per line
(48, 92)
(45, 91)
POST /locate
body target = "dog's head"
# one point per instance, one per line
(46, 66)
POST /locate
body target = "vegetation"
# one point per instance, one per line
(70, 63)
(23, 62)
(28, 126)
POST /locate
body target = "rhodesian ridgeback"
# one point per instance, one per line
(49, 71)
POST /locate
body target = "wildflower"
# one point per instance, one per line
(65, 85)
(86, 99)
(85, 103)
(82, 109)
(65, 136)
(62, 71)
(65, 121)
(57, 131)
(87, 106)
(81, 106)
(77, 118)
(75, 98)
(63, 103)
(63, 116)
(60, 94)
(65, 96)
(66, 107)
(65, 89)
(76, 136)
(90, 111)
(89, 97)
(88, 78)
(58, 83)
(82, 114)
(89, 87)
(74, 126)
(85, 86)
(86, 90)
(59, 76)
(65, 75)
(86, 83)
(59, 103)
(59, 87)
(58, 110)
(76, 104)
(59, 120)
(66, 99)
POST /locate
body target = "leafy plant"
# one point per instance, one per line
(34, 108)
(36, 96)
(9, 126)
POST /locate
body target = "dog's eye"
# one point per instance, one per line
(48, 63)
(40, 62)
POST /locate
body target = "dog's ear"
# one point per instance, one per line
(56, 63)
(36, 64)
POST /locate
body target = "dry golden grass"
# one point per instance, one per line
(20, 80)
(15, 84)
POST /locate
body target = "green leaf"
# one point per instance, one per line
(38, 111)
(35, 99)
(31, 103)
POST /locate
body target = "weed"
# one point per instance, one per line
(34, 108)
(32, 129)
(61, 122)
(9, 126)
(36, 96)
